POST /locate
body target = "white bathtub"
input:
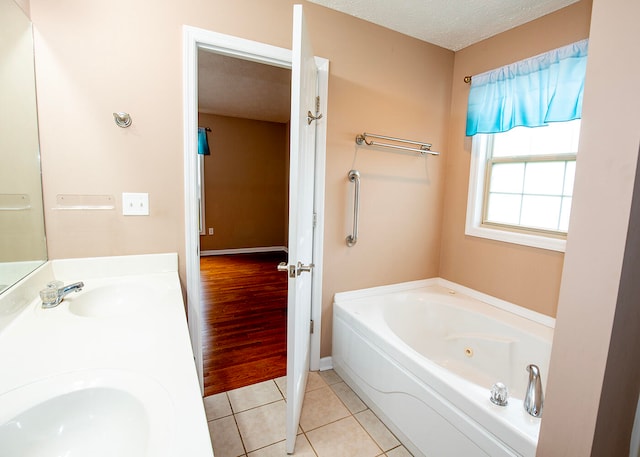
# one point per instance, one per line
(424, 356)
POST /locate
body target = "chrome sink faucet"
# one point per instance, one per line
(534, 398)
(53, 295)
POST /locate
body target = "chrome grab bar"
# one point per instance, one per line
(422, 146)
(354, 177)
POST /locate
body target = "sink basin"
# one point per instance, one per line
(98, 413)
(113, 300)
(95, 421)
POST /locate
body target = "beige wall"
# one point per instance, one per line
(245, 183)
(594, 375)
(527, 276)
(96, 58)
(24, 4)
(386, 83)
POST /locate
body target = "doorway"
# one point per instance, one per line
(245, 108)
(195, 40)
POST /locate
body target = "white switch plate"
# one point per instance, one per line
(135, 204)
(210, 230)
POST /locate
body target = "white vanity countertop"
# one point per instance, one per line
(89, 334)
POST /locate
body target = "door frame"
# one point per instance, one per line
(194, 39)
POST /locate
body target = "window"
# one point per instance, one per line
(521, 184)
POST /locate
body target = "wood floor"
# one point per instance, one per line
(244, 314)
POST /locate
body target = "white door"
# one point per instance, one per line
(301, 188)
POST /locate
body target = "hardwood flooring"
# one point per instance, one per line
(244, 320)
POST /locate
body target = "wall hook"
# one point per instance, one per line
(122, 119)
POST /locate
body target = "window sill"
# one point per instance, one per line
(525, 239)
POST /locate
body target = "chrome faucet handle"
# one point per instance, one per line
(53, 294)
(49, 296)
(499, 394)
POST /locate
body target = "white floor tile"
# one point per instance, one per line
(303, 449)
(225, 438)
(348, 397)
(330, 377)
(344, 438)
(217, 406)
(262, 426)
(315, 381)
(320, 407)
(336, 422)
(378, 431)
(400, 451)
(254, 395)
(282, 385)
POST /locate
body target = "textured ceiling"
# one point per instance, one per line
(239, 88)
(451, 24)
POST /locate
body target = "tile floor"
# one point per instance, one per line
(250, 422)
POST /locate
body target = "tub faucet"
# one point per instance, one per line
(53, 295)
(534, 398)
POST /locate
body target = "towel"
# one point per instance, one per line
(203, 142)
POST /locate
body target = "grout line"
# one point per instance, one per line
(244, 447)
(283, 394)
(258, 406)
(309, 441)
(266, 446)
(384, 452)
(304, 432)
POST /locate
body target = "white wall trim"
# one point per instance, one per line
(191, 206)
(244, 250)
(319, 191)
(326, 363)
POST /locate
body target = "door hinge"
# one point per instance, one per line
(315, 220)
(311, 327)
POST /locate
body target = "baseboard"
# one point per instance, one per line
(244, 250)
(326, 363)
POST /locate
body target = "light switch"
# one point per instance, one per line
(135, 204)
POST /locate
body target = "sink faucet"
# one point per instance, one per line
(534, 398)
(53, 295)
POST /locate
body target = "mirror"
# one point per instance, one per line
(22, 239)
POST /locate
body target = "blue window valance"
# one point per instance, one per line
(531, 93)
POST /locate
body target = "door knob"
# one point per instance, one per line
(301, 268)
(291, 269)
(295, 270)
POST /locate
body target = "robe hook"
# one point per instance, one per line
(122, 119)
